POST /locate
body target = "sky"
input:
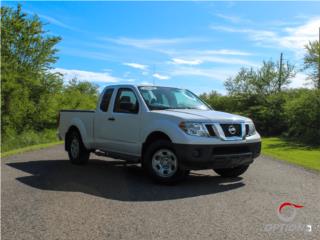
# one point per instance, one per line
(195, 45)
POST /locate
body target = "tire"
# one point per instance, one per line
(162, 164)
(231, 172)
(78, 154)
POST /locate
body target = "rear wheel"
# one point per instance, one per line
(161, 162)
(78, 154)
(231, 172)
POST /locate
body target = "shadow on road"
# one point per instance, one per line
(114, 180)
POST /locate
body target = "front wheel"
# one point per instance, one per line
(161, 162)
(231, 172)
(78, 154)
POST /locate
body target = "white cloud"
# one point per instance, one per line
(196, 60)
(130, 80)
(69, 74)
(151, 43)
(197, 57)
(225, 52)
(233, 19)
(186, 62)
(215, 74)
(299, 36)
(292, 38)
(146, 83)
(56, 22)
(224, 60)
(159, 76)
(256, 35)
(300, 80)
(136, 65)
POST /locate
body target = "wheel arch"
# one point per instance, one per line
(154, 136)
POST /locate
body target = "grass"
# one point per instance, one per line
(29, 148)
(302, 155)
(27, 138)
(27, 141)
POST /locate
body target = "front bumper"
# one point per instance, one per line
(196, 157)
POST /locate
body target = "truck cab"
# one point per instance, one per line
(170, 131)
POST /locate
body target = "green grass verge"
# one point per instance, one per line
(29, 148)
(305, 156)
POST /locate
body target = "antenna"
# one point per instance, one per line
(280, 73)
(153, 72)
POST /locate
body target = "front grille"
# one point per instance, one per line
(210, 130)
(231, 130)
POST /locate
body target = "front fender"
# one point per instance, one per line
(168, 127)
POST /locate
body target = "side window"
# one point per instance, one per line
(104, 105)
(126, 101)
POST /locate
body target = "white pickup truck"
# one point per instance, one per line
(170, 131)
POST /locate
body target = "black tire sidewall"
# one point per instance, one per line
(83, 154)
(147, 162)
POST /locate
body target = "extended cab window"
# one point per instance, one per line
(104, 105)
(126, 101)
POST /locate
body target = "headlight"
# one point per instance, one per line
(194, 129)
(250, 129)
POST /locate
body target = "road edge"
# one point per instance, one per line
(29, 148)
(284, 162)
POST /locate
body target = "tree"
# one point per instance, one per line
(312, 61)
(263, 81)
(27, 53)
(79, 95)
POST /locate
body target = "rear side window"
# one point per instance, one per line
(104, 105)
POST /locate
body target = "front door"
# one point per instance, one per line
(125, 126)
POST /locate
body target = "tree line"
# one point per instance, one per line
(263, 95)
(32, 94)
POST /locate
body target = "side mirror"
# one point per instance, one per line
(126, 106)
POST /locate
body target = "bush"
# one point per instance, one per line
(27, 138)
(303, 117)
(292, 113)
(266, 111)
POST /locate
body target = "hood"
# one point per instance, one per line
(201, 115)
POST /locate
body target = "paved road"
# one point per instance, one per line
(45, 197)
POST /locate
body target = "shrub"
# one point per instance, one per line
(27, 138)
(303, 117)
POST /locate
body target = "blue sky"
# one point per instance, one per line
(194, 45)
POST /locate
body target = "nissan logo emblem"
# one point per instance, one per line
(232, 130)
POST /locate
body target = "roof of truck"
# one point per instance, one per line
(138, 85)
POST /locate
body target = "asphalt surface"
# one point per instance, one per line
(45, 197)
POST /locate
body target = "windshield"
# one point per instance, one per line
(160, 98)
